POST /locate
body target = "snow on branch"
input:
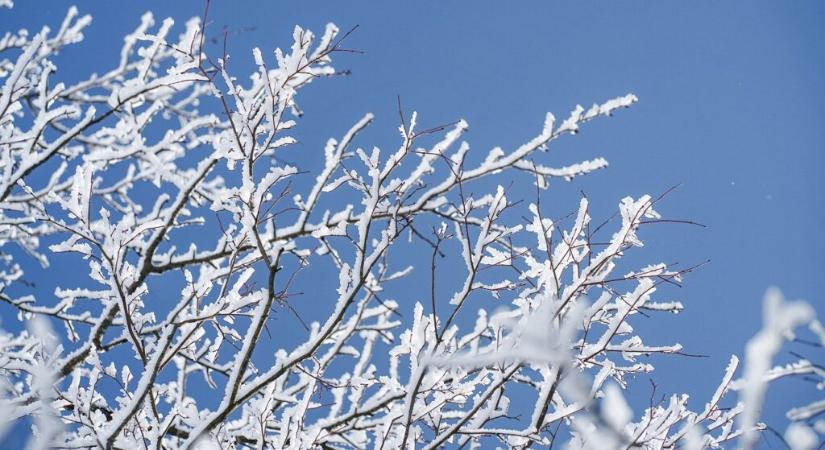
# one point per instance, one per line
(167, 342)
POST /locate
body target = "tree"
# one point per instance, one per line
(122, 169)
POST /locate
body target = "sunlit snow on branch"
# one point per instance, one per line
(167, 344)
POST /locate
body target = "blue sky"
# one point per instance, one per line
(731, 109)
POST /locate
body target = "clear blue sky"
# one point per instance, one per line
(731, 107)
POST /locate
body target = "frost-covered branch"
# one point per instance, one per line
(162, 179)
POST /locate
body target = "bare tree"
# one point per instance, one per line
(81, 167)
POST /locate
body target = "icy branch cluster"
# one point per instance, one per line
(123, 360)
